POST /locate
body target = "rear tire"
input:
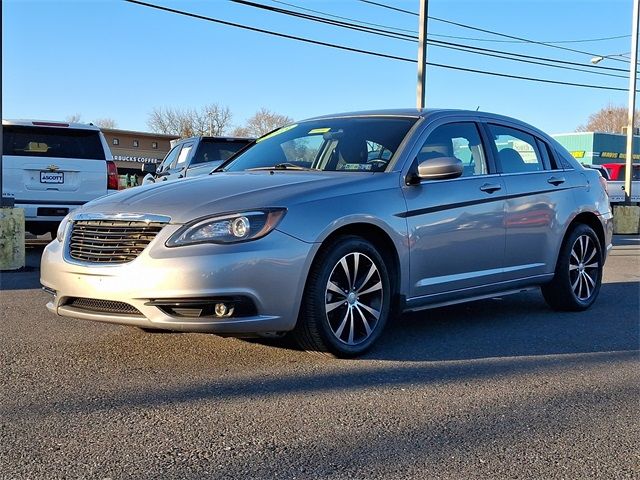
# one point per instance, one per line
(347, 299)
(578, 275)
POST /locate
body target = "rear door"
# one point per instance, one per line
(539, 198)
(53, 164)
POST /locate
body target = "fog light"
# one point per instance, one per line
(222, 310)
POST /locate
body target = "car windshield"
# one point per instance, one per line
(356, 144)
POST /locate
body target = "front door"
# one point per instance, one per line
(456, 226)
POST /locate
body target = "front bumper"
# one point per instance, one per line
(270, 272)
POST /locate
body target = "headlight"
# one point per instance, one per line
(228, 228)
(62, 228)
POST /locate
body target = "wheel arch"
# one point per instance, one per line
(584, 218)
(380, 239)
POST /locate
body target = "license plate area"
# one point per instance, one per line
(52, 212)
(52, 177)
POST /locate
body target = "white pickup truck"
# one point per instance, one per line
(51, 168)
(615, 182)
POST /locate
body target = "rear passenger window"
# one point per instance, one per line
(460, 140)
(517, 150)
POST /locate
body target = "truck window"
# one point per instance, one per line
(24, 141)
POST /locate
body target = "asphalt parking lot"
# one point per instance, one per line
(502, 388)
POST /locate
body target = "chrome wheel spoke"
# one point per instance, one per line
(575, 284)
(589, 279)
(592, 265)
(586, 285)
(372, 270)
(351, 327)
(372, 311)
(575, 255)
(330, 307)
(367, 327)
(356, 261)
(572, 267)
(374, 288)
(332, 287)
(593, 254)
(340, 329)
(345, 267)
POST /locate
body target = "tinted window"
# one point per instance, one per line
(635, 173)
(169, 159)
(216, 150)
(333, 144)
(460, 140)
(52, 142)
(517, 150)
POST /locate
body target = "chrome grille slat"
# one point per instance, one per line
(110, 241)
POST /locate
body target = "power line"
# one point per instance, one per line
(366, 52)
(491, 32)
(438, 43)
(441, 35)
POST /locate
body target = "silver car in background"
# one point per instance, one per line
(329, 227)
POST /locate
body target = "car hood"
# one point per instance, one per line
(186, 199)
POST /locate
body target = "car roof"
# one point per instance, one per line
(226, 139)
(51, 123)
(424, 112)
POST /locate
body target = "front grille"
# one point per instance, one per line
(102, 306)
(110, 241)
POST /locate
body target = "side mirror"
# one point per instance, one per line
(440, 168)
(149, 168)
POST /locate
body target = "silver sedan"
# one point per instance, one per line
(327, 228)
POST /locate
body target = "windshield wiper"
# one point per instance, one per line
(282, 166)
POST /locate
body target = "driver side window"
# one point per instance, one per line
(169, 159)
(460, 140)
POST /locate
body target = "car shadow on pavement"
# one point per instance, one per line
(516, 325)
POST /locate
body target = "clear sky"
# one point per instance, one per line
(108, 58)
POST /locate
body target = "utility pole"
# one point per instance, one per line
(422, 55)
(633, 65)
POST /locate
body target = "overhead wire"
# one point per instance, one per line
(484, 30)
(438, 43)
(476, 39)
(363, 51)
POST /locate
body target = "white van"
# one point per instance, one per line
(51, 168)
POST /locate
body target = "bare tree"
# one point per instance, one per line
(105, 123)
(263, 121)
(75, 118)
(609, 119)
(213, 119)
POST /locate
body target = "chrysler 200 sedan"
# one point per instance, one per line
(329, 227)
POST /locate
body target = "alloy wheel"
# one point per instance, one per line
(583, 267)
(353, 298)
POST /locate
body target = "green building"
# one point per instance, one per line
(594, 148)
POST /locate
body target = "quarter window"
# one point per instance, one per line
(517, 150)
(459, 140)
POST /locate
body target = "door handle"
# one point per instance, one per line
(490, 187)
(556, 180)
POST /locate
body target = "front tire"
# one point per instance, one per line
(346, 301)
(578, 275)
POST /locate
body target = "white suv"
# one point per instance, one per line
(51, 168)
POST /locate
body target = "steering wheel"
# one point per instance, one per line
(378, 163)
